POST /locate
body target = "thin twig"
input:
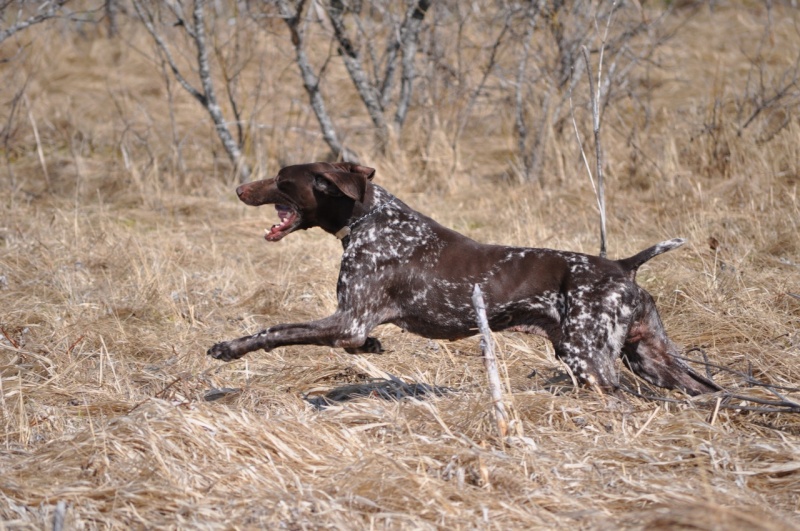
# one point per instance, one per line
(39, 150)
(159, 394)
(392, 49)
(475, 93)
(705, 359)
(598, 152)
(776, 407)
(583, 151)
(50, 12)
(782, 405)
(788, 404)
(232, 81)
(74, 344)
(13, 343)
(748, 378)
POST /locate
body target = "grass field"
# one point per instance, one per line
(124, 254)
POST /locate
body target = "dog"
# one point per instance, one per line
(400, 266)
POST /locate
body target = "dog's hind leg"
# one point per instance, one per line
(650, 354)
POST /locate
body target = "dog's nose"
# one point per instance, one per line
(240, 190)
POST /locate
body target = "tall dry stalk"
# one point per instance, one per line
(490, 363)
(596, 96)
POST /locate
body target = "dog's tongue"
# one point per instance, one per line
(287, 216)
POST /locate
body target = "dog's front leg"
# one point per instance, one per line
(338, 330)
(236, 348)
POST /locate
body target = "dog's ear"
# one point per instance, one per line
(350, 180)
(367, 172)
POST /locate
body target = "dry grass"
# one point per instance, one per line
(123, 262)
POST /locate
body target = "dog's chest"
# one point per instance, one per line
(395, 238)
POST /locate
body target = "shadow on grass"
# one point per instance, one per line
(391, 388)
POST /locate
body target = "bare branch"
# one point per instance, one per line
(231, 147)
(311, 81)
(207, 96)
(519, 112)
(147, 19)
(112, 10)
(176, 144)
(409, 34)
(392, 48)
(230, 87)
(479, 88)
(787, 89)
(47, 11)
(352, 62)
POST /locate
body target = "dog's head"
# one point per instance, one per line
(319, 194)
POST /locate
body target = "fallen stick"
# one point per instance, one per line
(490, 362)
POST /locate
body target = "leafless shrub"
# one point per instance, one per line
(195, 29)
(555, 35)
(26, 15)
(16, 17)
(760, 107)
(353, 29)
(394, 58)
(293, 15)
(768, 96)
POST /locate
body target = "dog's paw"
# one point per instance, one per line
(223, 351)
(371, 346)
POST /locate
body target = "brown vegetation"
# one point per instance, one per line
(124, 255)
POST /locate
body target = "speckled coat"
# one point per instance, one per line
(399, 266)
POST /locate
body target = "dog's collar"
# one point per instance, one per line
(344, 232)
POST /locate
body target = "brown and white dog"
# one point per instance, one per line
(401, 267)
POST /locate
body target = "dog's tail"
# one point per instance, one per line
(631, 265)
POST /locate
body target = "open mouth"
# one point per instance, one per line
(289, 220)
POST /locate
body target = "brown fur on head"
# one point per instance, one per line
(319, 194)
